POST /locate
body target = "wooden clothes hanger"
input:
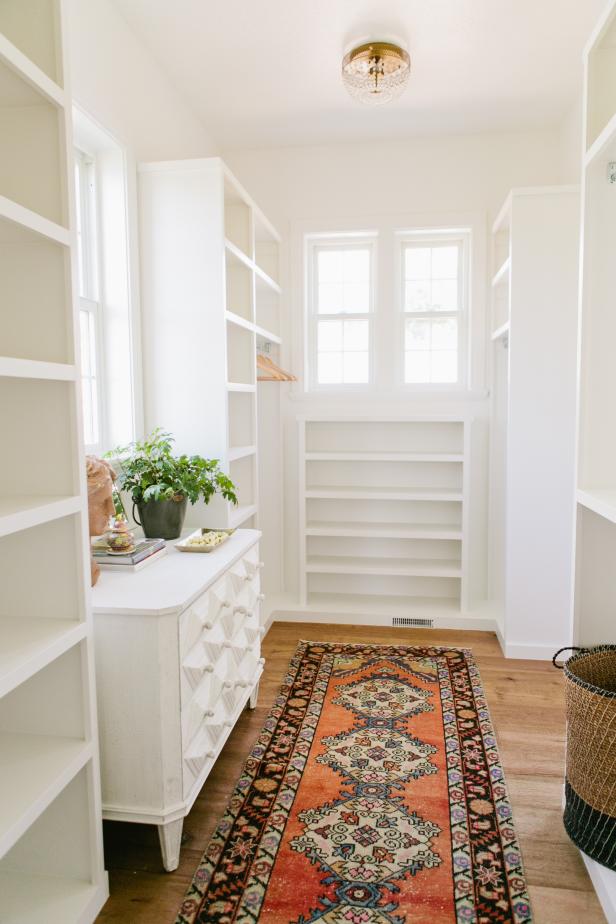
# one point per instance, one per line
(273, 372)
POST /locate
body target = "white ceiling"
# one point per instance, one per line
(265, 73)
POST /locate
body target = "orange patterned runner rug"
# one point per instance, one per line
(374, 795)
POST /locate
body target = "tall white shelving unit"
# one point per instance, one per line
(595, 552)
(534, 337)
(384, 519)
(210, 297)
(51, 859)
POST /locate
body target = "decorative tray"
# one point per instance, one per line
(198, 541)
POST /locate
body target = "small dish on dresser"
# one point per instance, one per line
(204, 540)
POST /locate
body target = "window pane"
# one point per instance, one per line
(445, 263)
(417, 296)
(330, 265)
(417, 335)
(329, 368)
(417, 263)
(445, 334)
(331, 295)
(417, 367)
(329, 336)
(356, 297)
(445, 295)
(356, 368)
(444, 366)
(431, 351)
(356, 335)
(343, 280)
(356, 265)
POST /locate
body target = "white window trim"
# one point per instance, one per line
(388, 227)
(91, 301)
(314, 243)
(95, 139)
(463, 237)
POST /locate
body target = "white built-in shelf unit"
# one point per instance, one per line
(595, 546)
(210, 261)
(383, 517)
(535, 242)
(51, 859)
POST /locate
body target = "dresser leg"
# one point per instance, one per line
(254, 696)
(170, 837)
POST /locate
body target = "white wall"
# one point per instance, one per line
(117, 82)
(428, 176)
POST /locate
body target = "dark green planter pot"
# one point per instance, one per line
(162, 519)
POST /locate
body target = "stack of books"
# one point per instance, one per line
(145, 552)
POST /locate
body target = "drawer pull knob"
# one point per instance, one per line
(209, 668)
(226, 604)
(228, 723)
(241, 683)
(240, 611)
(226, 645)
(208, 624)
(261, 597)
(227, 684)
(208, 713)
(261, 662)
(210, 755)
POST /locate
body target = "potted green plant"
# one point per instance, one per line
(161, 484)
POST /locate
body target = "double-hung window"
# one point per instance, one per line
(90, 321)
(341, 308)
(434, 297)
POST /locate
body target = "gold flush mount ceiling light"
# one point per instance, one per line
(376, 72)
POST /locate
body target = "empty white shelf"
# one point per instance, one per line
(607, 136)
(262, 279)
(24, 511)
(368, 456)
(33, 369)
(385, 530)
(240, 452)
(11, 213)
(600, 500)
(389, 566)
(240, 514)
(30, 899)
(501, 332)
(366, 604)
(240, 386)
(383, 493)
(238, 320)
(235, 254)
(502, 275)
(28, 645)
(29, 72)
(268, 334)
(34, 769)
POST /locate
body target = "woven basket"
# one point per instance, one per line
(590, 787)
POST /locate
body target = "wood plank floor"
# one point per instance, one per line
(526, 702)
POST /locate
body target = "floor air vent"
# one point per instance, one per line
(412, 622)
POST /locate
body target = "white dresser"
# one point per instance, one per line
(178, 657)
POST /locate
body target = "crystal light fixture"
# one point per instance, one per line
(376, 72)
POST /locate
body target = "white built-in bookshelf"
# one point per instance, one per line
(384, 518)
(51, 859)
(211, 298)
(595, 545)
(535, 242)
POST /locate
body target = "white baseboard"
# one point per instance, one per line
(306, 614)
(528, 652)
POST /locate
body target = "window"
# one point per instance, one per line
(89, 301)
(341, 309)
(433, 304)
